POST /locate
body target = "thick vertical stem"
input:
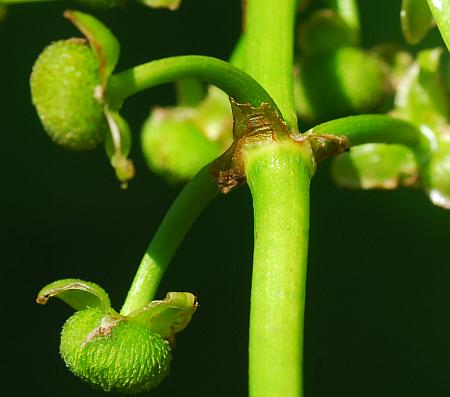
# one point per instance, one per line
(269, 33)
(278, 176)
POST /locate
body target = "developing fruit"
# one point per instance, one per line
(63, 84)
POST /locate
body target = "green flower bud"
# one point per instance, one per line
(114, 353)
(339, 83)
(103, 3)
(63, 84)
(174, 144)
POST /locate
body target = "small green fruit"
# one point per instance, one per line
(114, 353)
(63, 84)
(175, 146)
(339, 83)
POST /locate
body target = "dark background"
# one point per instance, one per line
(378, 292)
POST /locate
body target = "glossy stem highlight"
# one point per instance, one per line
(235, 82)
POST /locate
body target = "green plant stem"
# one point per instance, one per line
(278, 176)
(441, 13)
(195, 196)
(235, 82)
(348, 11)
(374, 129)
(270, 31)
(190, 92)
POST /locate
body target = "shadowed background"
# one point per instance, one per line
(378, 292)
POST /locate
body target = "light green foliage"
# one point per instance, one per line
(339, 83)
(63, 84)
(120, 356)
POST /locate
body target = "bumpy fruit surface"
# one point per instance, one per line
(339, 83)
(128, 358)
(63, 84)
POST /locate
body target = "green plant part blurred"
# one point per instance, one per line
(64, 78)
(436, 175)
(375, 166)
(169, 4)
(3, 11)
(339, 83)
(422, 100)
(177, 142)
(103, 3)
(324, 31)
(416, 20)
(398, 61)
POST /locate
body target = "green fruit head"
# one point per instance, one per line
(63, 84)
(114, 353)
(339, 83)
(175, 146)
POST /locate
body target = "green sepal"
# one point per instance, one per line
(416, 20)
(375, 166)
(170, 4)
(118, 145)
(78, 294)
(102, 41)
(169, 316)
